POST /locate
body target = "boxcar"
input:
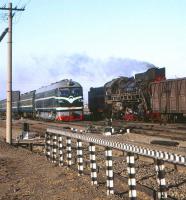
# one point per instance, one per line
(27, 107)
(169, 98)
(2, 107)
(15, 104)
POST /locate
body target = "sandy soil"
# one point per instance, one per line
(26, 175)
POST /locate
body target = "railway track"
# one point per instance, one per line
(145, 170)
(169, 131)
(145, 174)
(144, 129)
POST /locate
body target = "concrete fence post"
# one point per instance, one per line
(50, 146)
(69, 152)
(80, 157)
(131, 176)
(160, 171)
(109, 171)
(128, 130)
(60, 150)
(54, 155)
(47, 145)
(93, 166)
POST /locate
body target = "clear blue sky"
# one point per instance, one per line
(48, 32)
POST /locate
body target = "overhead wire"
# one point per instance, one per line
(19, 15)
(3, 15)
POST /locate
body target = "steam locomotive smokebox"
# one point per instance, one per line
(25, 127)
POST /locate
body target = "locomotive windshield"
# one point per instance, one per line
(66, 92)
(75, 92)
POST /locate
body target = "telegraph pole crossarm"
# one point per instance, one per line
(13, 9)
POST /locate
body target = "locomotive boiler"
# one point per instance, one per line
(127, 98)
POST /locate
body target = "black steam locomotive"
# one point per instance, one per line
(125, 98)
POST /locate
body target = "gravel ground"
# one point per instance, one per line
(20, 169)
(145, 172)
(145, 175)
(26, 175)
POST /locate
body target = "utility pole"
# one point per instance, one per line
(9, 73)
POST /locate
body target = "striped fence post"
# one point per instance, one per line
(50, 147)
(131, 176)
(74, 130)
(109, 171)
(128, 130)
(47, 145)
(93, 166)
(54, 155)
(79, 157)
(69, 152)
(160, 171)
(60, 150)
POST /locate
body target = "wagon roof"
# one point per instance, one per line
(15, 94)
(169, 80)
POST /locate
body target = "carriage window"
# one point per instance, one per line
(64, 92)
(75, 92)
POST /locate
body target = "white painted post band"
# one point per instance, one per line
(47, 145)
(51, 147)
(109, 171)
(54, 155)
(128, 130)
(131, 176)
(69, 152)
(80, 157)
(60, 148)
(160, 171)
(93, 166)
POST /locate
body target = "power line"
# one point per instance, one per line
(19, 2)
(20, 15)
(4, 17)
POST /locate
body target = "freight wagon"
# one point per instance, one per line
(27, 105)
(168, 99)
(15, 104)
